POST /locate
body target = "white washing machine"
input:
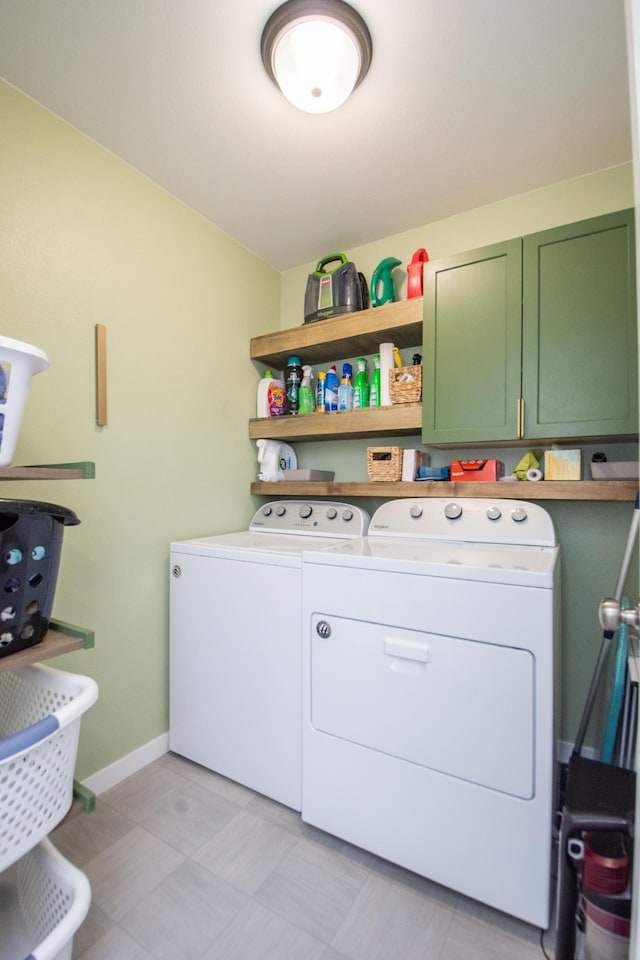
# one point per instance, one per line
(235, 643)
(428, 695)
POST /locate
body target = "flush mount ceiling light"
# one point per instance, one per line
(316, 51)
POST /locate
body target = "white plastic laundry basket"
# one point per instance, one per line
(40, 713)
(43, 901)
(19, 362)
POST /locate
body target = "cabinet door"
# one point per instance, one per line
(579, 374)
(472, 345)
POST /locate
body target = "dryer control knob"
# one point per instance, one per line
(280, 511)
(347, 515)
(452, 511)
(305, 511)
(266, 511)
(519, 514)
(494, 513)
(332, 513)
(415, 511)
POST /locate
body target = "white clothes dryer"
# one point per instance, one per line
(235, 643)
(428, 695)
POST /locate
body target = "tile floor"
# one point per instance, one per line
(185, 865)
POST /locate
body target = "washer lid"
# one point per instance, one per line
(250, 546)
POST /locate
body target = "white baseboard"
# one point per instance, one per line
(564, 750)
(121, 769)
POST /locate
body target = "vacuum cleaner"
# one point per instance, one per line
(334, 292)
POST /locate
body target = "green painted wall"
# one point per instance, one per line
(565, 202)
(592, 535)
(85, 239)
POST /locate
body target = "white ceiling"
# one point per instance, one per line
(466, 102)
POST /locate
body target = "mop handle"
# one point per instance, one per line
(626, 560)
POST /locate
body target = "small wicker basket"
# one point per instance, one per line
(384, 463)
(405, 391)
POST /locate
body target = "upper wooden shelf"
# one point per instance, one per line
(51, 471)
(612, 490)
(340, 337)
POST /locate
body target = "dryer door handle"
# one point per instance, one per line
(407, 649)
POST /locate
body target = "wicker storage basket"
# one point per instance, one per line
(384, 463)
(405, 391)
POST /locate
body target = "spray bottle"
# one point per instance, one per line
(307, 403)
(331, 390)
(360, 386)
(374, 386)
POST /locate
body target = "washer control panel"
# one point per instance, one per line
(464, 518)
(311, 517)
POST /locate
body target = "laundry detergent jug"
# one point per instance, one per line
(274, 458)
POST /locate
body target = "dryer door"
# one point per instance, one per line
(456, 705)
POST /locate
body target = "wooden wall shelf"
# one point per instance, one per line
(351, 335)
(83, 470)
(611, 490)
(60, 638)
(399, 419)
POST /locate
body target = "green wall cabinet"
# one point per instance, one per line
(472, 345)
(534, 338)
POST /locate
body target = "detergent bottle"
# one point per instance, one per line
(273, 459)
(331, 390)
(374, 386)
(292, 381)
(360, 386)
(307, 402)
(262, 407)
(320, 390)
(276, 398)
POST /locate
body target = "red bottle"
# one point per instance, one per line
(414, 273)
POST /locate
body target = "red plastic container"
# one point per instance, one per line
(606, 863)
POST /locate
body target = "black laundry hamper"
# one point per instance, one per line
(30, 546)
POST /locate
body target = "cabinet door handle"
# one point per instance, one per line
(612, 616)
(520, 418)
